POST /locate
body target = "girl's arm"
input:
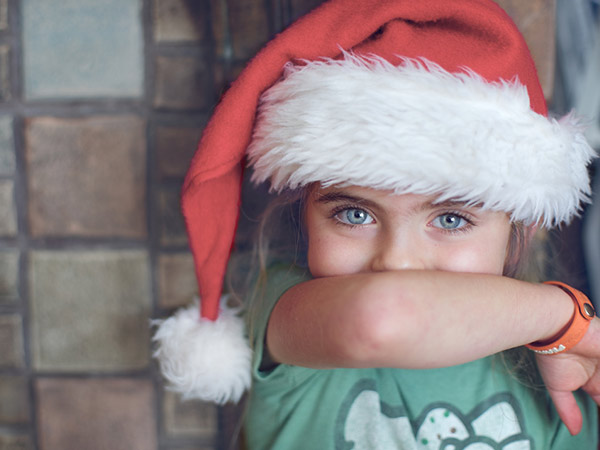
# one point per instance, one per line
(426, 319)
(411, 319)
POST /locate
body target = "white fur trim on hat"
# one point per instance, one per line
(202, 359)
(420, 129)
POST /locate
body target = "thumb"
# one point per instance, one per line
(568, 410)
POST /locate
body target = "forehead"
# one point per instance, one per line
(385, 199)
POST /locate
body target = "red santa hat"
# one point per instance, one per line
(432, 96)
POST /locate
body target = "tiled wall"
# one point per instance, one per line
(101, 104)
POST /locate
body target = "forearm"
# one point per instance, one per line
(411, 319)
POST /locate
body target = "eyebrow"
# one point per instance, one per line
(337, 196)
(446, 204)
(340, 196)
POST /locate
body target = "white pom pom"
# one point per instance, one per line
(202, 359)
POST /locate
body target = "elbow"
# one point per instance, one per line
(382, 326)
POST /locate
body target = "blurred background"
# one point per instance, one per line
(101, 105)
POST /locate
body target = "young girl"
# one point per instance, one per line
(415, 136)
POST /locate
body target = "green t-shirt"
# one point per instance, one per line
(474, 406)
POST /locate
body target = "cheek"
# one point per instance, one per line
(486, 256)
(321, 256)
(330, 255)
(472, 261)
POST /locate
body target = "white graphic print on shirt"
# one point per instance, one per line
(366, 422)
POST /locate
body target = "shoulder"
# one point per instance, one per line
(270, 286)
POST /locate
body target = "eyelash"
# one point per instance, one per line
(341, 208)
(470, 222)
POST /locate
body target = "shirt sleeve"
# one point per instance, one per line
(279, 279)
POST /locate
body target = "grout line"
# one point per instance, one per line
(21, 110)
(21, 200)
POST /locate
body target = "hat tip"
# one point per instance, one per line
(203, 359)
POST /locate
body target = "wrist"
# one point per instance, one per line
(559, 308)
(572, 330)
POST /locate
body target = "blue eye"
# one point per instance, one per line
(354, 216)
(450, 222)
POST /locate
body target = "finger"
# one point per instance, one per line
(568, 410)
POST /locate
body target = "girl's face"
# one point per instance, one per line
(356, 229)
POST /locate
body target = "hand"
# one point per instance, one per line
(566, 372)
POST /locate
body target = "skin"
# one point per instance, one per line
(400, 281)
(401, 232)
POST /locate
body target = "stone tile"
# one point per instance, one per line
(172, 225)
(284, 12)
(9, 441)
(175, 147)
(190, 418)
(75, 49)
(9, 276)
(11, 342)
(7, 146)
(14, 400)
(89, 310)
(8, 209)
(248, 27)
(3, 15)
(5, 83)
(226, 72)
(220, 29)
(536, 20)
(87, 177)
(176, 280)
(183, 83)
(180, 20)
(301, 7)
(96, 414)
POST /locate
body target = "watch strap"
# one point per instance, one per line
(574, 330)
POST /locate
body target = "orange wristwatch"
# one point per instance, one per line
(575, 329)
